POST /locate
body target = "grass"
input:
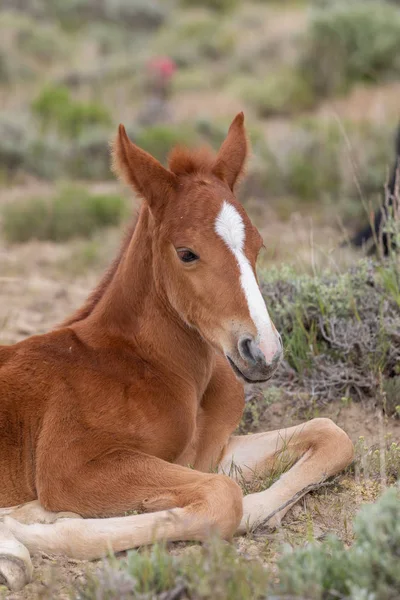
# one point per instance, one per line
(54, 108)
(215, 5)
(73, 212)
(338, 329)
(352, 41)
(316, 571)
(195, 38)
(74, 14)
(214, 571)
(366, 570)
(377, 463)
(255, 406)
(283, 92)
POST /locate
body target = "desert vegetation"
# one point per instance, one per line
(319, 83)
(318, 571)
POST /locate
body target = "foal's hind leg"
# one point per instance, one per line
(318, 450)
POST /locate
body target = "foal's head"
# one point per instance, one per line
(204, 248)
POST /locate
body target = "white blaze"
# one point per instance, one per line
(230, 227)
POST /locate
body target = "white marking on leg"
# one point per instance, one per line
(230, 227)
(15, 562)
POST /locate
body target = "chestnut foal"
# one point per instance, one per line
(130, 405)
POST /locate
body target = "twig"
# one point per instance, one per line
(299, 494)
(175, 594)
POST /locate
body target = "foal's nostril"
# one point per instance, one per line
(247, 349)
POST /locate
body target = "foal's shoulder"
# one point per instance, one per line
(40, 349)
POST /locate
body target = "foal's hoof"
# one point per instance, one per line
(15, 562)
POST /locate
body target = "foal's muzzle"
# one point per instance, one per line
(249, 362)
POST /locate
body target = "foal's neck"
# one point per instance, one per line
(133, 310)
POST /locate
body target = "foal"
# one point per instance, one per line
(130, 405)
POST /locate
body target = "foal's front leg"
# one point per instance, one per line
(318, 449)
(15, 561)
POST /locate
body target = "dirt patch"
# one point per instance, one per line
(356, 418)
(365, 103)
(53, 577)
(189, 105)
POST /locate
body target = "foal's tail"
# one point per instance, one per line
(373, 230)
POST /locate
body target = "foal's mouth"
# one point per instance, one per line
(244, 377)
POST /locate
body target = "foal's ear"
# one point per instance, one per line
(138, 168)
(231, 157)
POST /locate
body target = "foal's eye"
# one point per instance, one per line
(186, 255)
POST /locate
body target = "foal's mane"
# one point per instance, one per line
(182, 162)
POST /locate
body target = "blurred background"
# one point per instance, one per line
(319, 83)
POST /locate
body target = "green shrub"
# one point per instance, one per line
(74, 212)
(339, 331)
(352, 41)
(22, 150)
(89, 156)
(14, 141)
(306, 163)
(221, 6)
(45, 43)
(47, 155)
(314, 169)
(214, 571)
(256, 404)
(321, 160)
(55, 109)
(192, 39)
(135, 14)
(281, 93)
